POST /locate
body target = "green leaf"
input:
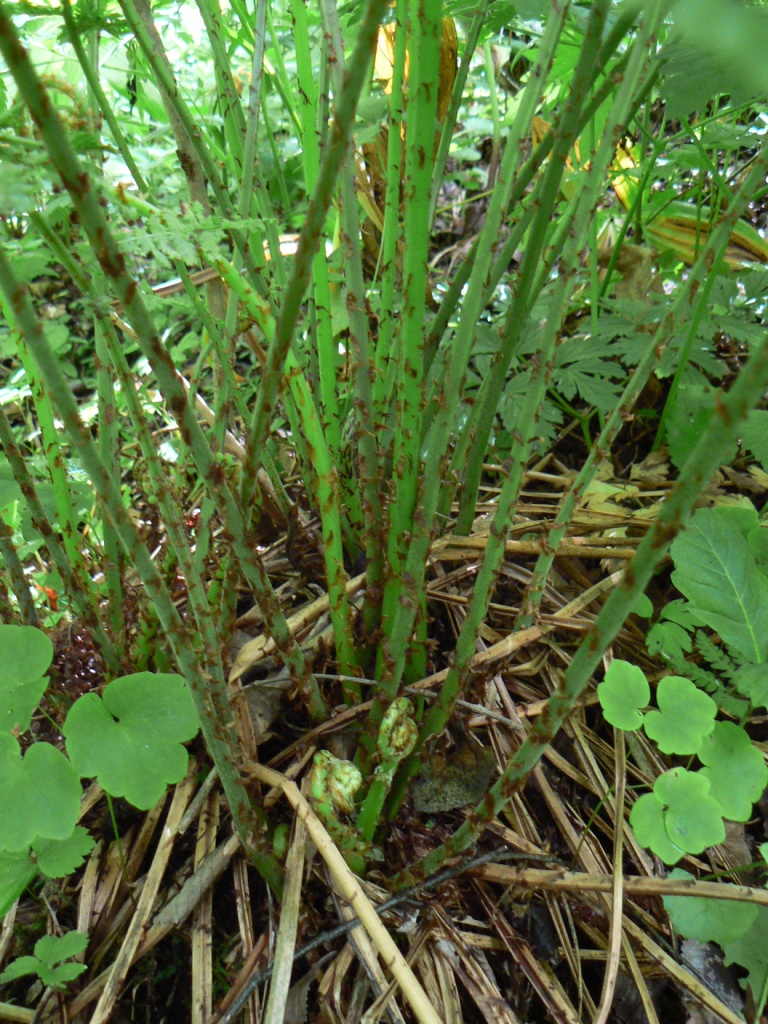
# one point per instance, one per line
(735, 769)
(49, 951)
(754, 436)
(669, 639)
(750, 951)
(25, 655)
(715, 569)
(670, 634)
(57, 858)
(692, 818)
(647, 820)
(39, 794)
(16, 872)
(685, 717)
(643, 607)
(130, 738)
(752, 682)
(688, 418)
(732, 34)
(706, 920)
(758, 543)
(622, 695)
(582, 368)
(51, 948)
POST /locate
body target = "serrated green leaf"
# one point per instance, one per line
(685, 716)
(57, 858)
(48, 952)
(51, 949)
(715, 569)
(20, 967)
(669, 639)
(735, 769)
(131, 737)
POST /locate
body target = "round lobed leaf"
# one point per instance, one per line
(685, 716)
(647, 820)
(25, 656)
(622, 695)
(734, 768)
(707, 920)
(131, 737)
(39, 794)
(692, 818)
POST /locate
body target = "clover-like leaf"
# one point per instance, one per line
(735, 769)
(39, 794)
(647, 820)
(692, 818)
(685, 717)
(25, 655)
(131, 737)
(622, 695)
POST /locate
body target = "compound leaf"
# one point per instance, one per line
(716, 571)
(49, 951)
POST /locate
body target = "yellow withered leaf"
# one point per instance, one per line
(683, 228)
(384, 59)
